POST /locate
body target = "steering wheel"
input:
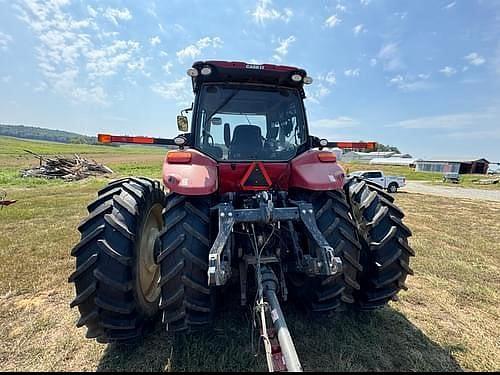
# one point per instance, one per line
(210, 138)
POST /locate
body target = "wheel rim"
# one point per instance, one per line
(149, 271)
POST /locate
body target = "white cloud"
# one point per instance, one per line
(5, 40)
(390, 56)
(106, 61)
(330, 78)
(340, 122)
(448, 71)
(396, 80)
(450, 5)
(410, 83)
(474, 59)
(351, 72)
(6, 79)
(167, 67)
(74, 55)
(373, 62)
(115, 15)
(155, 40)
(332, 21)
(341, 8)
(91, 11)
(264, 12)
(194, 50)
(42, 86)
(178, 90)
(94, 94)
(282, 49)
(450, 121)
(316, 92)
(151, 10)
(358, 29)
(365, 2)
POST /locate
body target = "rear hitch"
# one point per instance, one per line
(219, 261)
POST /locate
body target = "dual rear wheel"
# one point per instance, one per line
(143, 252)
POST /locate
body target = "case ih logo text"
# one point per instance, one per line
(253, 66)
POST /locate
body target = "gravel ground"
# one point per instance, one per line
(452, 192)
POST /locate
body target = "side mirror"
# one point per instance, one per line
(182, 123)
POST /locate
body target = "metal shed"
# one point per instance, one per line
(407, 162)
(462, 166)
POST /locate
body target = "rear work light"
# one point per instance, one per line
(192, 72)
(178, 157)
(206, 71)
(296, 78)
(327, 157)
(308, 80)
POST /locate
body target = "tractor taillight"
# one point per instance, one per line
(179, 157)
(327, 157)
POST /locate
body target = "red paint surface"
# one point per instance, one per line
(199, 177)
(307, 172)
(231, 175)
(203, 175)
(244, 65)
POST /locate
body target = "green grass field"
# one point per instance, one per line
(449, 319)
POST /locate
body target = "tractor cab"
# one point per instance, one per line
(246, 112)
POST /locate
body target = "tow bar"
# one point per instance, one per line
(280, 350)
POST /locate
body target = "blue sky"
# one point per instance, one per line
(422, 75)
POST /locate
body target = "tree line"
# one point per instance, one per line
(43, 134)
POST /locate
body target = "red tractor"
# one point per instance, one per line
(249, 191)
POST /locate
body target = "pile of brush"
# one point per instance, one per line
(67, 168)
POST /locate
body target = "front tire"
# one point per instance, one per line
(116, 278)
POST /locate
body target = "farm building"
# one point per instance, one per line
(400, 161)
(365, 156)
(462, 166)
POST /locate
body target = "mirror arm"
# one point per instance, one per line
(186, 110)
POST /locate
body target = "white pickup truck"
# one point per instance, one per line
(391, 183)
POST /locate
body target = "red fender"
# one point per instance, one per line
(308, 172)
(195, 177)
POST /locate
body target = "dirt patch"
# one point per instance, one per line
(452, 192)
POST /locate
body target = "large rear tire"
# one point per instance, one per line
(386, 253)
(116, 277)
(323, 294)
(186, 299)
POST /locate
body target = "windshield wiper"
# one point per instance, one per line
(228, 99)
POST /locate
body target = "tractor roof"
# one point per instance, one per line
(230, 71)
